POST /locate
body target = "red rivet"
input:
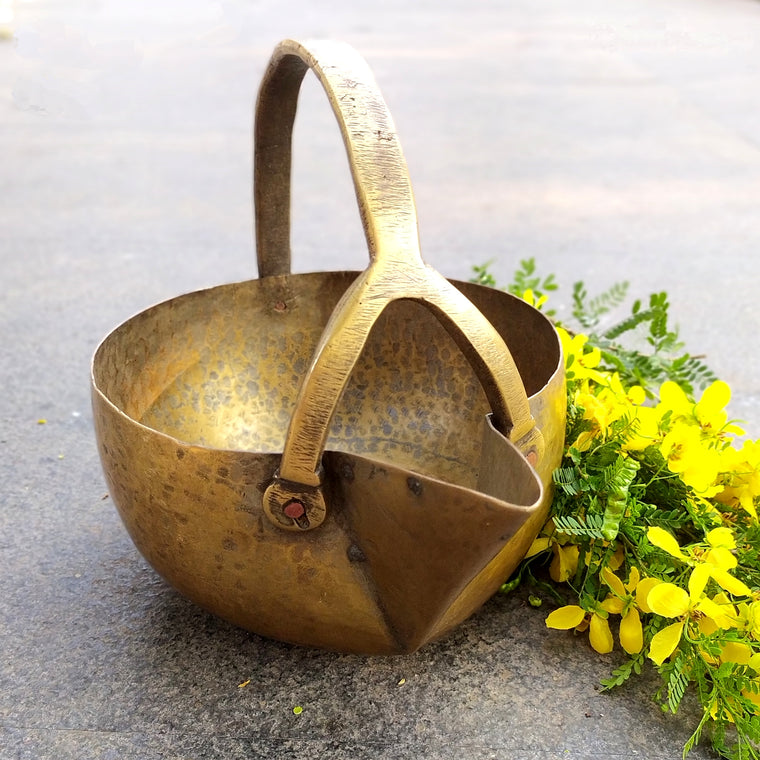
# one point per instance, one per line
(294, 509)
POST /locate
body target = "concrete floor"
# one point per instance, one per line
(611, 140)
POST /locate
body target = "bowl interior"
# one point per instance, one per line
(221, 368)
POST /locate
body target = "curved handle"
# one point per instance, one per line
(294, 499)
(378, 167)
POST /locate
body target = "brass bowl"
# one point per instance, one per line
(347, 460)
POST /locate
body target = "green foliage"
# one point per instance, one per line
(642, 347)
(662, 359)
(590, 527)
(483, 276)
(618, 478)
(525, 278)
(588, 311)
(623, 672)
(677, 681)
(609, 493)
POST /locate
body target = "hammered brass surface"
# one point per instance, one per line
(191, 436)
(319, 470)
(396, 269)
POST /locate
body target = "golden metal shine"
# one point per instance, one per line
(335, 459)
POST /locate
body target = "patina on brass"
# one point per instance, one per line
(346, 460)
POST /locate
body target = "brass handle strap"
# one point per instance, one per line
(378, 167)
(294, 499)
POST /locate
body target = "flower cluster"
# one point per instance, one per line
(654, 525)
(653, 528)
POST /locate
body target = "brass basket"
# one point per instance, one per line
(345, 460)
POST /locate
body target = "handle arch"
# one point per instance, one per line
(294, 499)
(378, 167)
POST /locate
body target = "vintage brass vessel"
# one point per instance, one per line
(345, 460)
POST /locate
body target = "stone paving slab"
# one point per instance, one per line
(610, 140)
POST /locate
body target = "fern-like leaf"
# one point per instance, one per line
(567, 479)
(574, 526)
(623, 672)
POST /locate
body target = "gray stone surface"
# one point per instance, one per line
(610, 140)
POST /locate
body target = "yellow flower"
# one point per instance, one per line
(606, 403)
(595, 412)
(565, 560)
(573, 616)
(694, 460)
(668, 600)
(708, 413)
(630, 633)
(710, 409)
(579, 363)
(530, 297)
(742, 479)
(671, 601)
(715, 561)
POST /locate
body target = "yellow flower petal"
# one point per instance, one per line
(539, 545)
(668, 600)
(665, 541)
(729, 583)
(599, 634)
(613, 605)
(673, 398)
(566, 617)
(631, 633)
(721, 537)
(643, 587)
(747, 503)
(698, 580)
(565, 562)
(616, 560)
(736, 652)
(714, 399)
(707, 626)
(645, 428)
(664, 642)
(592, 358)
(633, 580)
(719, 614)
(721, 557)
(752, 696)
(613, 582)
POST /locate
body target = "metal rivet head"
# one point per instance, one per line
(294, 509)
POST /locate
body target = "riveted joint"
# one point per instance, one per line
(294, 506)
(532, 446)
